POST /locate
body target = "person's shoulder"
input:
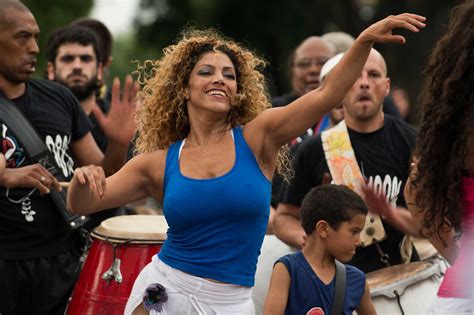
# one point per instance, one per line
(395, 123)
(157, 159)
(50, 88)
(154, 155)
(289, 259)
(354, 273)
(46, 85)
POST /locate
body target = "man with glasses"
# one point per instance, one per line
(305, 64)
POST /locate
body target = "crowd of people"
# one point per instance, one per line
(211, 147)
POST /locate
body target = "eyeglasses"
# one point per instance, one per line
(306, 63)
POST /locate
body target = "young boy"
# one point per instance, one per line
(303, 283)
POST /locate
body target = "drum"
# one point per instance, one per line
(122, 246)
(406, 289)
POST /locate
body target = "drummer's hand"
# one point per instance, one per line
(381, 32)
(31, 176)
(91, 175)
(119, 123)
(410, 190)
(377, 203)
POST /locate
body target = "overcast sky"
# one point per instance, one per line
(117, 15)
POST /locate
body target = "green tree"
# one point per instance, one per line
(275, 28)
(52, 14)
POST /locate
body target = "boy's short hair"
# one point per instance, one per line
(331, 203)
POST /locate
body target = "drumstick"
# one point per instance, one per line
(64, 184)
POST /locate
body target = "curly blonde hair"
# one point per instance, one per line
(162, 116)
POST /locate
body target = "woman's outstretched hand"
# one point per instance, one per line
(381, 32)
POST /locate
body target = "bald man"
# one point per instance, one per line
(39, 258)
(382, 145)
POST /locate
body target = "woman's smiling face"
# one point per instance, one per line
(212, 83)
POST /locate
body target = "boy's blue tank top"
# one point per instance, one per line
(217, 225)
(309, 293)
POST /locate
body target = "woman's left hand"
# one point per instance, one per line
(381, 31)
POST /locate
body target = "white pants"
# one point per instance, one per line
(188, 294)
(452, 306)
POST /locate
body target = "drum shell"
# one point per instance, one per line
(94, 295)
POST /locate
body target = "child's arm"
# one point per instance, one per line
(277, 296)
(366, 306)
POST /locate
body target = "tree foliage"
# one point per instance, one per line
(275, 28)
(52, 14)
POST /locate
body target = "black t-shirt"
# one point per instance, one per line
(96, 131)
(383, 157)
(96, 218)
(34, 228)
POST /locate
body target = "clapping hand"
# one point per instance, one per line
(119, 123)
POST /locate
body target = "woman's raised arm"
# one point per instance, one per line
(280, 125)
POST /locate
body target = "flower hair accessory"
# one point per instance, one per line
(155, 296)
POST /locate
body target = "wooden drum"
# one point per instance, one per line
(122, 246)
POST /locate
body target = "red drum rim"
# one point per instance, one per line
(133, 228)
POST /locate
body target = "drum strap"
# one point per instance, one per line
(339, 289)
(344, 170)
(37, 152)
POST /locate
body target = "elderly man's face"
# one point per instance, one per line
(309, 57)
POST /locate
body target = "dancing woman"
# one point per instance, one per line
(209, 146)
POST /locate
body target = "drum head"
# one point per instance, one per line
(385, 281)
(133, 228)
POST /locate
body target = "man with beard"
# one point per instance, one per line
(74, 60)
(39, 263)
(382, 145)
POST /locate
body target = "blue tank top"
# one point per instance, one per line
(309, 293)
(217, 225)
